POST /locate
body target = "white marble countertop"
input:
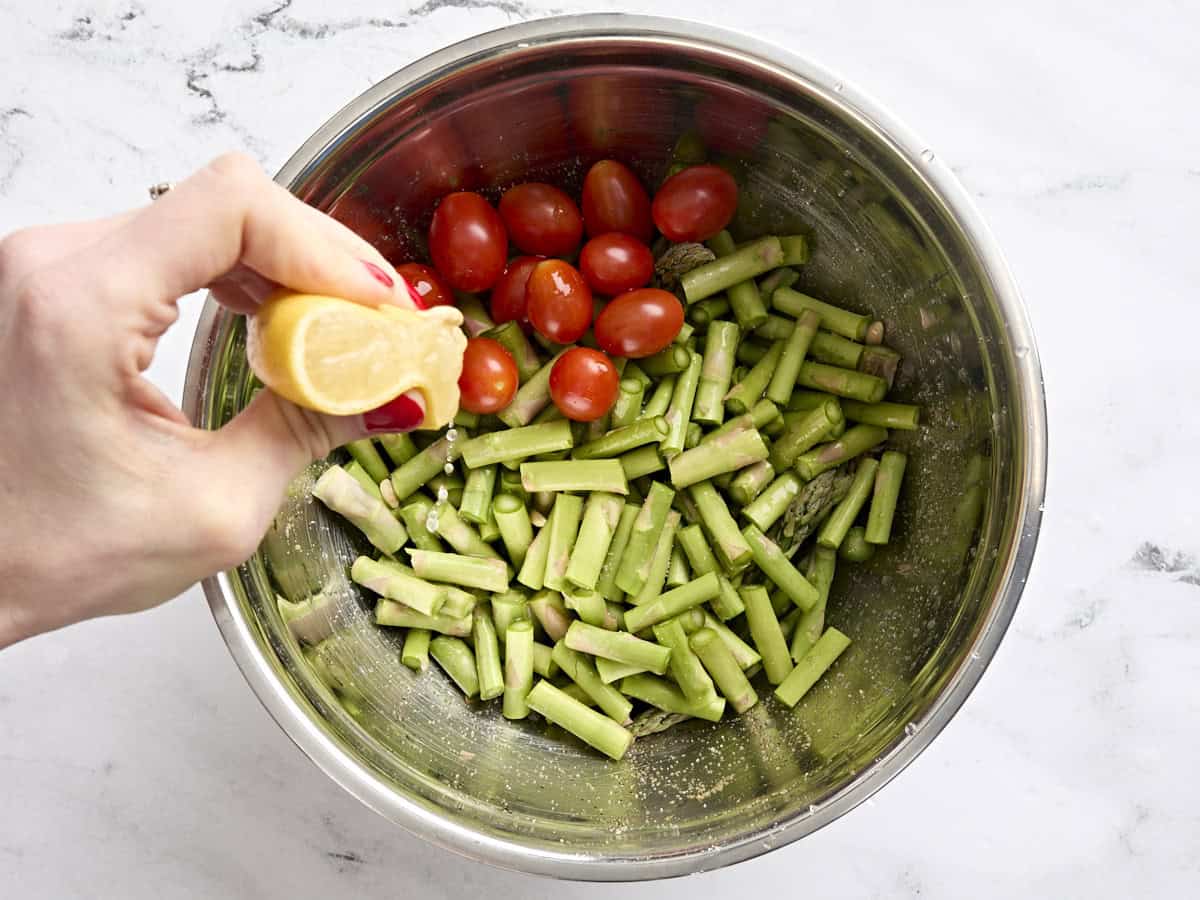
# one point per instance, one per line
(135, 762)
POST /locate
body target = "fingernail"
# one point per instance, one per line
(378, 274)
(417, 299)
(402, 414)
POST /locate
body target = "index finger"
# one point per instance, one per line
(229, 214)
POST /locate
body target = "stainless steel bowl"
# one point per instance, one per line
(893, 233)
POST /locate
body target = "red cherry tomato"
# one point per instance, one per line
(615, 263)
(614, 200)
(639, 323)
(467, 241)
(695, 204)
(508, 294)
(428, 284)
(541, 219)
(489, 377)
(558, 301)
(583, 384)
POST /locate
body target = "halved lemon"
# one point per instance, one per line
(341, 358)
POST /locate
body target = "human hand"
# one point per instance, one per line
(111, 501)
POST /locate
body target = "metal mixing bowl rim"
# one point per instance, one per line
(239, 633)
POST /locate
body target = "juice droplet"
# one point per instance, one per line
(443, 494)
(452, 435)
(448, 468)
(927, 155)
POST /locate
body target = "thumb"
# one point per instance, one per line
(255, 456)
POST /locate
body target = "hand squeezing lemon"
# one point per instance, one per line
(343, 359)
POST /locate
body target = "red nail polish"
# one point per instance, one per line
(402, 414)
(378, 274)
(413, 294)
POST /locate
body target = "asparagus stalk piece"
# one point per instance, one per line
(716, 372)
(397, 615)
(744, 299)
(854, 547)
(783, 379)
(747, 657)
(660, 400)
(725, 453)
(575, 475)
(855, 442)
(765, 509)
(364, 453)
(532, 397)
(901, 416)
(518, 669)
(512, 338)
(760, 416)
(581, 670)
(543, 662)
(741, 265)
(477, 495)
(487, 656)
(586, 724)
(842, 382)
(589, 606)
(634, 567)
(706, 311)
(811, 666)
(779, 569)
(467, 571)
(839, 321)
(751, 352)
(399, 448)
(724, 669)
(885, 496)
(551, 612)
(766, 633)
(881, 362)
(396, 582)
(833, 532)
(517, 444)
(338, 490)
(457, 661)
(728, 543)
(508, 607)
(727, 603)
(611, 671)
(746, 393)
(601, 516)
(679, 413)
(671, 361)
(627, 406)
(458, 603)
(784, 276)
(677, 571)
(660, 693)
(821, 568)
(619, 646)
(672, 603)
(516, 531)
(459, 534)
(805, 433)
(419, 470)
(563, 527)
(533, 569)
(795, 249)
(476, 319)
(751, 481)
(415, 654)
(606, 585)
(685, 667)
(660, 561)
